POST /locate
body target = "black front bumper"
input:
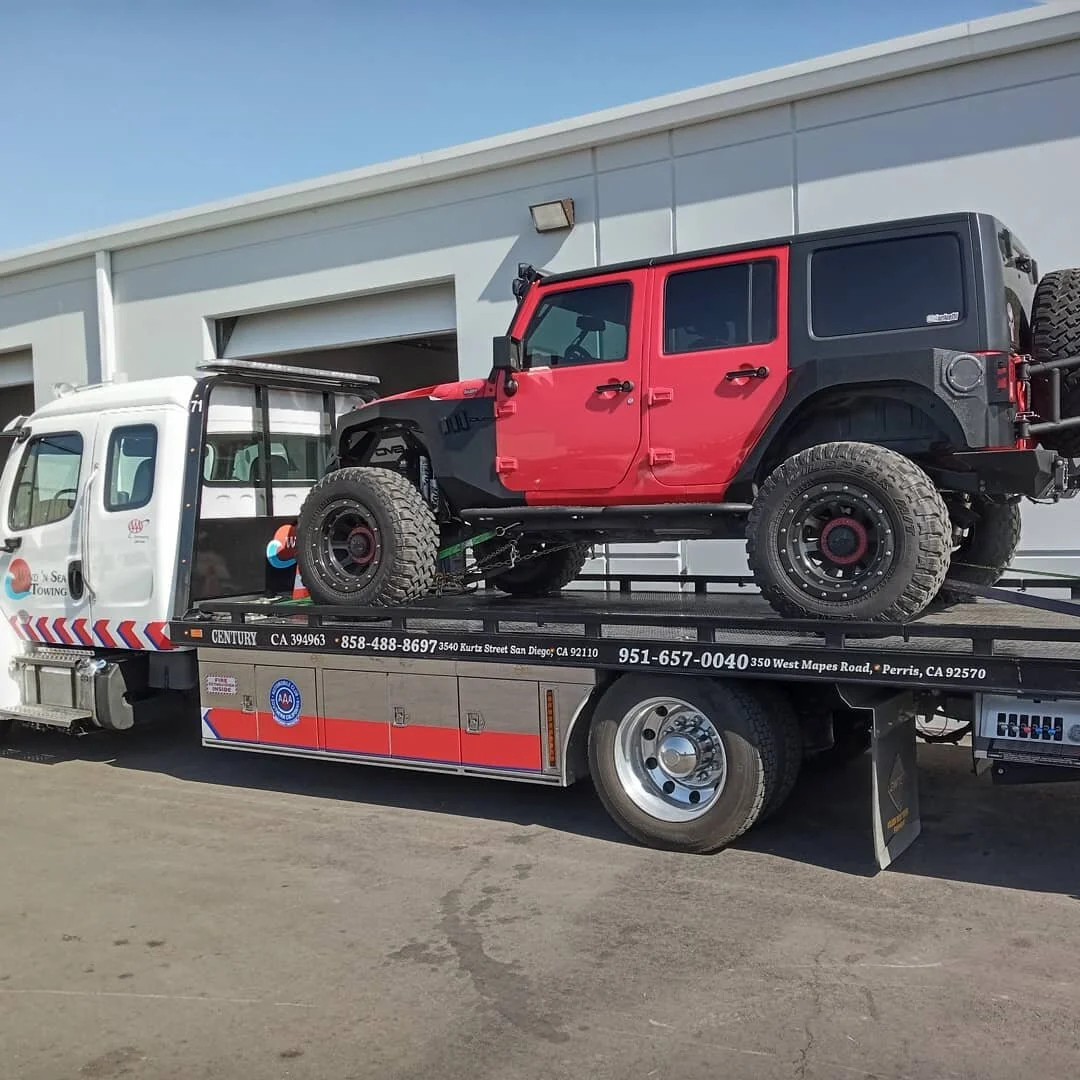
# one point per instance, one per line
(1038, 473)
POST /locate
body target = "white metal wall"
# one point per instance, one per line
(1001, 135)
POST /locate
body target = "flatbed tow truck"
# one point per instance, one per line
(149, 553)
(621, 682)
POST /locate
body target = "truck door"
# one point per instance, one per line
(43, 502)
(133, 524)
(574, 423)
(714, 318)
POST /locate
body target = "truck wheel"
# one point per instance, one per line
(849, 530)
(682, 763)
(1055, 335)
(990, 541)
(366, 536)
(542, 574)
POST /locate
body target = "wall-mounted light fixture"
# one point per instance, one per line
(553, 216)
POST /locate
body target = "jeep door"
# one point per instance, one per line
(718, 364)
(43, 502)
(574, 423)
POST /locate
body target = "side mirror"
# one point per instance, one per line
(506, 353)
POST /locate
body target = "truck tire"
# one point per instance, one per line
(849, 530)
(787, 731)
(542, 575)
(713, 771)
(988, 548)
(366, 536)
(1055, 335)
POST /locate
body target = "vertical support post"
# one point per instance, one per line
(895, 798)
(106, 313)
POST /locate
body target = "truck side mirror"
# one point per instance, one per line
(506, 353)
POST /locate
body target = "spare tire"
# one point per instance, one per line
(1055, 335)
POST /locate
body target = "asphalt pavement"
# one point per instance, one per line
(174, 913)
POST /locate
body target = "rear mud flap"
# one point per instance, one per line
(895, 796)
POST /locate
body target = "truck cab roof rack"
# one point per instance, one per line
(261, 371)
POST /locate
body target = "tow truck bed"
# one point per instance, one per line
(526, 672)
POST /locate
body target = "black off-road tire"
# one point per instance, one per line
(987, 550)
(788, 736)
(542, 575)
(402, 522)
(1055, 335)
(919, 525)
(742, 722)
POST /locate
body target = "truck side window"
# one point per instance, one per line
(720, 307)
(129, 467)
(47, 484)
(580, 326)
(882, 285)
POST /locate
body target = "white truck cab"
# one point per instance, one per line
(122, 504)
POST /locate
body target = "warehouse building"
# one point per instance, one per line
(404, 270)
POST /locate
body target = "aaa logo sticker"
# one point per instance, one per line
(285, 702)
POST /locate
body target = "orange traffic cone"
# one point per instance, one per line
(299, 589)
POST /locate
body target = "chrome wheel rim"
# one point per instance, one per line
(670, 759)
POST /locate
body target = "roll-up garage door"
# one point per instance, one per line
(404, 313)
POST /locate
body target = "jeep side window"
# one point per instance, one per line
(580, 326)
(129, 469)
(47, 484)
(720, 307)
(883, 285)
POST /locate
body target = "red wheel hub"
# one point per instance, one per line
(361, 545)
(844, 541)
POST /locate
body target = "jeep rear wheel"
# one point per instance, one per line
(851, 531)
(366, 536)
(539, 573)
(1055, 335)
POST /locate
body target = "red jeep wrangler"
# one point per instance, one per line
(865, 406)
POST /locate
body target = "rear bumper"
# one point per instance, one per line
(1037, 474)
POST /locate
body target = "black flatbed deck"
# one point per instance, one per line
(714, 626)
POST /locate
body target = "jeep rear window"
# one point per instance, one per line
(580, 326)
(883, 285)
(720, 307)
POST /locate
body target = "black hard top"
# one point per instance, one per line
(847, 232)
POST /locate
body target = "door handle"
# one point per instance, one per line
(747, 373)
(75, 579)
(11, 544)
(623, 387)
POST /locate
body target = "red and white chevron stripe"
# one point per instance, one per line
(108, 633)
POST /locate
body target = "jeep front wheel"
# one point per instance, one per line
(366, 536)
(849, 530)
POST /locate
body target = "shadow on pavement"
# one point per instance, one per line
(1011, 837)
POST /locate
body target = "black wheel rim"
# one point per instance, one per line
(349, 546)
(837, 542)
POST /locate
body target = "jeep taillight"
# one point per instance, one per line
(1002, 383)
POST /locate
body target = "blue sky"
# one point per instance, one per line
(117, 109)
